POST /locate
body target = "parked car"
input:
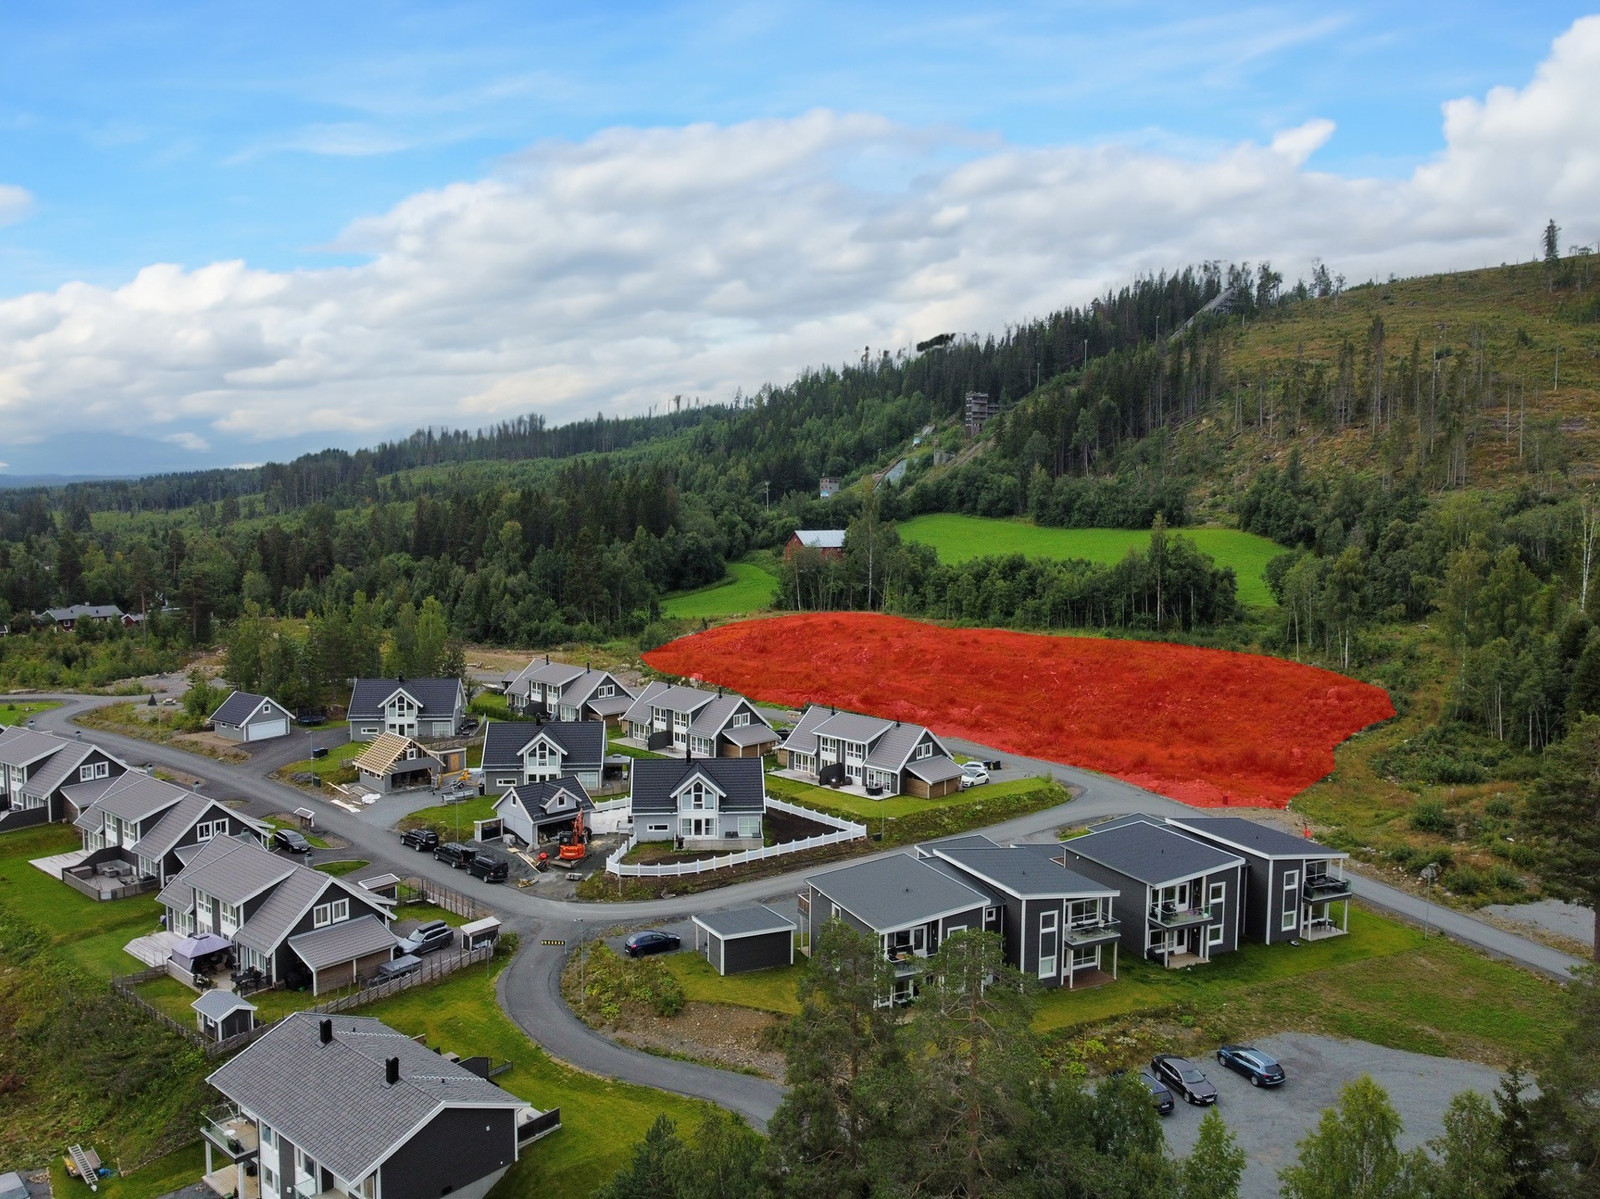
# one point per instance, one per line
(454, 854)
(636, 945)
(395, 967)
(1185, 1078)
(469, 725)
(423, 840)
(1260, 1068)
(1159, 1094)
(426, 938)
(974, 774)
(290, 841)
(489, 868)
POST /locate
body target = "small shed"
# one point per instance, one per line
(480, 933)
(223, 1014)
(742, 939)
(396, 763)
(385, 886)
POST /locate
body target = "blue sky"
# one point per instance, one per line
(294, 137)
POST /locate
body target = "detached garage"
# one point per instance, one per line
(247, 717)
(745, 939)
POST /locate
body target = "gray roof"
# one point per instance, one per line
(965, 841)
(59, 768)
(548, 797)
(240, 706)
(1021, 873)
(895, 746)
(83, 795)
(20, 746)
(136, 796)
(889, 742)
(895, 891)
(342, 942)
(92, 611)
(172, 827)
(935, 769)
(1235, 832)
(218, 1004)
(332, 1100)
(821, 539)
(744, 922)
(236, 871)
(656, 780)
(675, 697)
(639, 710)
(612, 705)
(291, 898)
(584, 742)
(1150, 853)
(12, 1186)
(745, 735)
(435, 697)
(581, 688)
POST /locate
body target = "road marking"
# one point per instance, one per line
(552, 942)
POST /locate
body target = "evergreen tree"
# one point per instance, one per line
(652, 1171)
(1567, 1112)
(1470, 1159)
(1564, 812)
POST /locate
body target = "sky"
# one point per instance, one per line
(228, 235)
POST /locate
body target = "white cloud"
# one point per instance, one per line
(188, 441)
(615, 273)
(15, 203)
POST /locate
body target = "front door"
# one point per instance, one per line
(1049, 939)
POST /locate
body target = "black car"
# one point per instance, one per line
(290, 841)
(426, 938)
(489, 868)
(636, 945)
(423, 840)
(1260, 1068)
(454, 854)
(1159, 1095)
(1185, 1078)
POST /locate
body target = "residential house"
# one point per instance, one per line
(908, 904)
(978, 411)
(428, 709)
(37, 769)
(827, 487)
(560, 691)
(296, 925)
(396, 763)
(828, 543)
(716, 803)
(529, 811)
(1181, 901)
(883, 757)
(517, 752)
(677, 719)
(1292, 884)
(65, 620)
(246, 717)
(1057, 924)
(154, 826)
(348, 1108)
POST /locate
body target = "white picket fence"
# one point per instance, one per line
(843, 830)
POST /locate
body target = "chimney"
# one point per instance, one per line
(391, 1070)
(327, 1032)
(547, 659)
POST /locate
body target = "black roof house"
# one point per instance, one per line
(657, 780)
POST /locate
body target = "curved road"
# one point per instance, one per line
(529, 988)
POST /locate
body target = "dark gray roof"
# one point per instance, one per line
(1021, 873)
(435, 697)
(895, 891)
(333, 1102)
(1237, 833)
(182, 817)
(548, 797)
(218, 1004)
(1150, 853)
(584, 743)
(935, 769)
(657, 780)
(342, 942)
(965, 841)
(236, 871)
(239, 706)
(744, 922)
(138, 796)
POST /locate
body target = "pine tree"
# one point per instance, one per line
(1563, 810)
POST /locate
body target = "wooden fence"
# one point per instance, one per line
(433, 967)
(425, 890)
(843, 830)
(123, 985)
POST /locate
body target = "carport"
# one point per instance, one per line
(341, 954)
(741, 939)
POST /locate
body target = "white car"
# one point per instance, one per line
(973, 774)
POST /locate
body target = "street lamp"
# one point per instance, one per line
(1430, 872)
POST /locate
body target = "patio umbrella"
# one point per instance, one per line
(193, 948)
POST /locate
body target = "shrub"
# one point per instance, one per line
(1499, 807)
(610, 982)
(1503, 878)
(1464, 880)
(1428, 816)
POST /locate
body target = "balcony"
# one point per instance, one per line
(1170, 915)
(232, 1133)
(1319, 888)
(1094, 933)
(907, 962)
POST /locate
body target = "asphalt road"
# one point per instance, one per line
(528, 988)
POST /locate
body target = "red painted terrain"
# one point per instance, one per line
(1204, 726)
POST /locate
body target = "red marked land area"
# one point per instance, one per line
(1203, 726)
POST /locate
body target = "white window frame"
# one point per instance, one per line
(1049, 922)
(335, 911)
(90, 771)
(749, 827)
(925, 750)
(659, 828)
(1216, 895)
(207, 829)
(229, 917)
(1214, 934)
(1291, 901)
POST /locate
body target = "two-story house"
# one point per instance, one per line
(883, 757)
(296, 925)
(561, 691)
(1292, 884)
(38, 769)
(345, 1107)
(676, 719)
(716, 803)
(426, 709)
(1057, 924)
(516, 752)
(1181, 901)
(908, 904)
(154, 826)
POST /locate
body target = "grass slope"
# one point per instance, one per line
(959, 538)
(18, 713)
(748, 588)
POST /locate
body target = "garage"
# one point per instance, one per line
(244, 716)
(743, 939)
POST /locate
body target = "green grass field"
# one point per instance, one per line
(960, 538)
(11, 714)
(859, 807)
(748, 588)
(765, 990)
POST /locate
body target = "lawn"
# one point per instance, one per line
(601, 1119)
(162, 1176)
(316, 841)
(959, 538)
(747, 588)
(327, 768)
(859, 807)
(452, 821)
(614, 746)
(765, 990)
(344, 866)
(18, 713)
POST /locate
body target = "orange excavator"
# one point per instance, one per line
(574, 845)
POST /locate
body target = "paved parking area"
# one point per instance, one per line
(1271, 1123)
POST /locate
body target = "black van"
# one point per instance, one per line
(489, 868)
(454, 854)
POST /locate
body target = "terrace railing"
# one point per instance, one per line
(1170, 915)
(1093, 932)
(843, 830)
(1318, 887)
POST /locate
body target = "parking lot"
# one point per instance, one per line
(1270, 1123)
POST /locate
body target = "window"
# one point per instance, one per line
(330, 913)
(1085, 956)
(229, 916)
(740, 719)
(93, 770)
(1048, 933)
(749, 826)
(207, 829)
(369, 728)
(833, 911)
(1214, 934)
(606, 691)
(1218, 893)
(659, 828)
(925, 750)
